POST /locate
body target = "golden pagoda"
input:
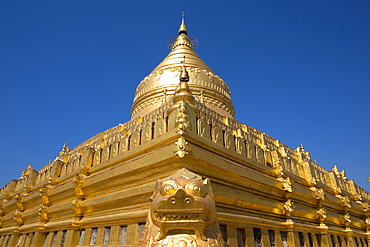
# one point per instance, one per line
(184, 172)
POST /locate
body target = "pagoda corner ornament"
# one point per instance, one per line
(181, 149)
(182, 213)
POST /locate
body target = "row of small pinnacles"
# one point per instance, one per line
(231, 134)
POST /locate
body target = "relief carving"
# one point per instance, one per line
(77, 208)
(18, 217)
(78, 186)
(181, 150)
(347, 219)
(217, 136)
(320, 194)
(160, 127)
(19, 202)
(250, 150)
(260, 155)
(322, 214)
(182, 213)
(182, 119)
(240, 146)
(288, 207)
(43, 210)
(287, 185)
(44, 196)
(203, 129)
(146, 134)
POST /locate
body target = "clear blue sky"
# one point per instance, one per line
(297, 70)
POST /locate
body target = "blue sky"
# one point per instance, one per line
(297, 70)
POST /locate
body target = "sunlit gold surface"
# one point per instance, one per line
(98, 193)
(182, 211)
(161, 83)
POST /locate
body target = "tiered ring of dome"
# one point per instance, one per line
(160, 85)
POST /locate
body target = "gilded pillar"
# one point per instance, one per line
(72, 237)
(38, 239)
(249, 237)
(231, 236)
(114, 235)
(132, 234)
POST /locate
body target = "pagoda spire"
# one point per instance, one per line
(182, 28)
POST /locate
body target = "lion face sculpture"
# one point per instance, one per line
(183, 204)
(182, 213)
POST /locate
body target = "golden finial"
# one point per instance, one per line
(184, 75)
(182, 28)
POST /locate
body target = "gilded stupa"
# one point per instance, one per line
(160, 85)
(183, 172)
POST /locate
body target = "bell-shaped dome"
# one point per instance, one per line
(160, 85)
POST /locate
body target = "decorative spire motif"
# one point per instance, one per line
(183, 91)
(182, 28)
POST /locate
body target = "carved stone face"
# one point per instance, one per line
(183, 205)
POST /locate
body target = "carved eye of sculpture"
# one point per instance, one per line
(168, 188)
(195, 188)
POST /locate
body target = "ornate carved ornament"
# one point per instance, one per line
(366, 207)
(347, 219)
(44, 195)
(182, 119)
(18, 217)
(1, 210)
(19, 201)
(338, 191)
(27, 189)
(322, 214)
(320, 194)
(78, 186)
(367, 221)
(77, 206)
(358, 198)
(181, 149)
(51, 180)
(64, 154)
(182, 213)
(43, 210)
(312, 182)
(287, 185)
(346, 201)
(289, 207)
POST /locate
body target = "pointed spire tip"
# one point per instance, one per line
(182, 28)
